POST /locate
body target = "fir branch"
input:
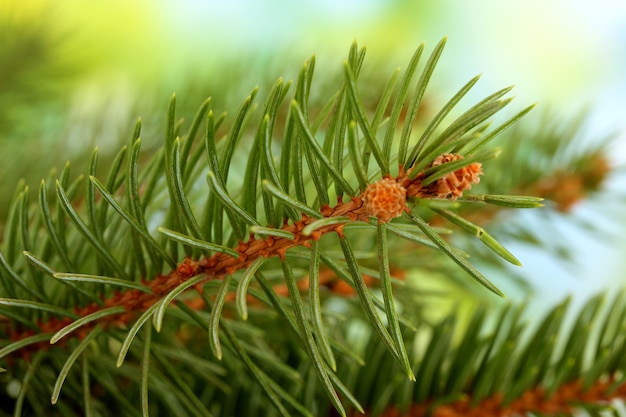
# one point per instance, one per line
(120, 281)
(512, 368)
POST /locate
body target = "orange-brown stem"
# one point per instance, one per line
(220, 264)
(562, 402)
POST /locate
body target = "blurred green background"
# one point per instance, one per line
(76, 74)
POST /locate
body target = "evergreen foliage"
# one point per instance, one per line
(253, 265)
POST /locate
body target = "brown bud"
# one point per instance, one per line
(384, 199)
